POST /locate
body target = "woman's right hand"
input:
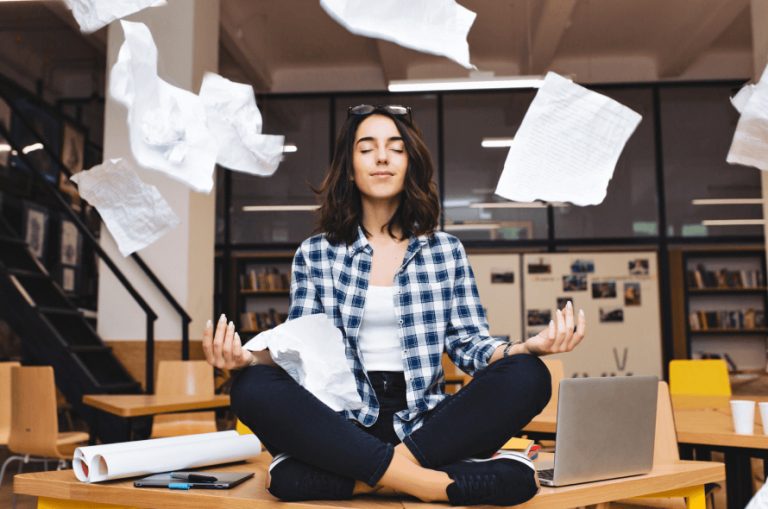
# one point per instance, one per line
(223, 349)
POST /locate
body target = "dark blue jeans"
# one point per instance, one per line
(475, 422)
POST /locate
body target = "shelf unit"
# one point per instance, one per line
(261, 282)
(725, 300)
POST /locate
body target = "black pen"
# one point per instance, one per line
(192, 477)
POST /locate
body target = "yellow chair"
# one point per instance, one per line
(5, 400)
(704, 377)
(242, 429)
(184, 378)
(35, 422)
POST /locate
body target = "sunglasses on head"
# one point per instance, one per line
(403, 112)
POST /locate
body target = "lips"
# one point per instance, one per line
(382, 174)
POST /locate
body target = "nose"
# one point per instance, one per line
(382, 156)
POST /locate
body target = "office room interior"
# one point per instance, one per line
(640, 127)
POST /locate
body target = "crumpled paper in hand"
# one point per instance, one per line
(235, 122)
(167, 124)
(92, 15)
(135, 213)
(567, 146)
(439, 27)
(750, 141)
(311, 350)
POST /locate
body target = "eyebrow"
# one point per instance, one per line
(371, 138)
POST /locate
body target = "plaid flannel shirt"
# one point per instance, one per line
(436, 303)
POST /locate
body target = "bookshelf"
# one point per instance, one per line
(725, 300)
(262, 285)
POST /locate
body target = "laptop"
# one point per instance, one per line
(605, 429)
(194, 480)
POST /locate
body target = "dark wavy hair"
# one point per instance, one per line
(341, 211)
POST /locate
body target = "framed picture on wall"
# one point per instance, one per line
(35, 228)
(72, 155)
(68, 279)
(70, 244)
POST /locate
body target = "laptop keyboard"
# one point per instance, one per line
(547, 474)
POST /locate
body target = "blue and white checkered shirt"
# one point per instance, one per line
(437, 306)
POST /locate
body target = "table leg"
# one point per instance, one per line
(738, 478)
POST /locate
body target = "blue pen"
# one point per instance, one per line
(178, 486)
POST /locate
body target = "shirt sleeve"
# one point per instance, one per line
(304, 297)
(467, 340)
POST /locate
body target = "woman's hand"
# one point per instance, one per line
(224, 348)
(559, 336)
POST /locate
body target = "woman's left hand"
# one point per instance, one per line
(559, 336)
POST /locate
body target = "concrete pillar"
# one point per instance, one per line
(186, 33)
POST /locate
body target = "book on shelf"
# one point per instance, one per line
(737, 319)
(703, 278)
(262, 320)
(266, 279)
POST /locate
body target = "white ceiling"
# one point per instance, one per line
(292, 45)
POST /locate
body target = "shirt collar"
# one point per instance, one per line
(362, 244)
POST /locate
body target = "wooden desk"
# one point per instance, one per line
(705, 421)
(60, 489)
(130, 406)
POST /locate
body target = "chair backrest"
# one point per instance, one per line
(665, 449)
(700, 377)
(34, 421)
(557, 372)
(5, 400)
(193, 378)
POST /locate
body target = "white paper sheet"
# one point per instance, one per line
(760, 499)
(167, 124)
(567, 146)
(135, 213)
(311, 350)
(235, 122)
(750, 141)
(98, 463)
(92, 15)
(439, 27)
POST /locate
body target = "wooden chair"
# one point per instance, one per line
(5, 400)
(702, 377)
(187, 378)
(34, 420)
(557, 372)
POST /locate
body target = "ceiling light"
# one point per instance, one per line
(32, 148)
(733, 222)
(515, 205)
(466, 84)
(4, 147)
(279, 208)
(496, 142)
(471, 226)
(727, 201)
(289, 148)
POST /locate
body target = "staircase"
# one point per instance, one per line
(54, 331)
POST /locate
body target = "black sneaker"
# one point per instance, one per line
(506, 478)
(292, 480)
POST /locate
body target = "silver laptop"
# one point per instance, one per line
(605, 429)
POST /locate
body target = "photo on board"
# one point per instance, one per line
(632, 294)
(539, 317)
(582, 266)
(604, 289)
(639, 267)
(611, 315)
(575, 283)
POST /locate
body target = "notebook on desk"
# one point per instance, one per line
(605, 429)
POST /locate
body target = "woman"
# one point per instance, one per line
(402, 293)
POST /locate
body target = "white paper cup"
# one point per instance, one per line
(764, 416)
(743, 413)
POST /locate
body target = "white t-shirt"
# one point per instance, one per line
(378, 338)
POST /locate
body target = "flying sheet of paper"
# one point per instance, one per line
(92, 15)
(567, 146)
(311, 349)
(750, 141)
(235, 122)
(167, 124)
(439, 27)
(135, 213)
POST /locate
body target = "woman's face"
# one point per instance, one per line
(379, 159)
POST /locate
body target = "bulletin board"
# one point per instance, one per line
(499, 285)
(620, 297)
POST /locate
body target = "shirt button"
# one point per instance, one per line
(400, 322)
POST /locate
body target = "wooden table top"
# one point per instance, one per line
(252, 494)
(704, 420)
(136, 405)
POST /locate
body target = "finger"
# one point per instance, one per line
(218, 338)
(207, 340)
(237, 347)
(560, 337)
(581, 328)
(226, 347)
(568, 323)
